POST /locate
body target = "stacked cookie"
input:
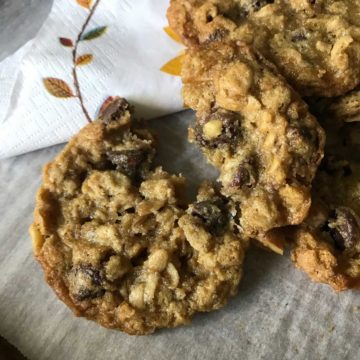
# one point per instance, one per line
(314, 46)
(117, 240)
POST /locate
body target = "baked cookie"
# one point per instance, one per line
(114, 239)
(314, 44)
(256, 130)
(340, 110)
(327, 245)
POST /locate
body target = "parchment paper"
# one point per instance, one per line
(277, 314)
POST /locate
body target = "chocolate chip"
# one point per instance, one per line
(297, 136)
(295, 133)
(209, 18)
(133, 163)
(114, 110)
(86, 282)
(86, 294)
(217, 35)
(212, 214)
(93, 273)
(244, 176)
(298, 37)
(258, 4)
(253, 6)
(241, 178)
(231, 129)
(344, 228)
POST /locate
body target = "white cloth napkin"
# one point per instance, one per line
(121, 52)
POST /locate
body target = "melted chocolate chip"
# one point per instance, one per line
(258, 4)
(303, 133)
(298, 37)
(114, 110)
(86, 282)
(92, 272)
(231, 130)
(133, 163)
(344, 228)
(244, 176)
(217, 35)
(212, 214)
(253, 6)
(86, 294)
(241, 178)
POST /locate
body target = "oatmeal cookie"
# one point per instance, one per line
(256, 130)
(114, 238)
(338, 110)
(327, 245)
(315, 44)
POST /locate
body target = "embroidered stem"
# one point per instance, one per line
(74, 55)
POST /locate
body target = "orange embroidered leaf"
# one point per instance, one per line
(84, 59)
(85, 3)
(57, 87)
(94, 33)
(173, 67)
(66, 42)
(173, 34)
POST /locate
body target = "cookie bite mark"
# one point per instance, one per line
(256, 130)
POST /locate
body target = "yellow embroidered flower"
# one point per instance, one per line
(173, 67)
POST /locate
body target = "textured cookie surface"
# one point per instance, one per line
(327, 245)
(256, 130)
(115, 240)
(315, 44)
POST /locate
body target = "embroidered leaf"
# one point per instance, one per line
(57, 87)
(84, 59)
(173, 34)
(105, 104)
(66, 42)
(85, 3)
(173, 67)
(94, 33)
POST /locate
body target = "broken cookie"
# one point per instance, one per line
(256, 130)
(327, 245)
(115, 240)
